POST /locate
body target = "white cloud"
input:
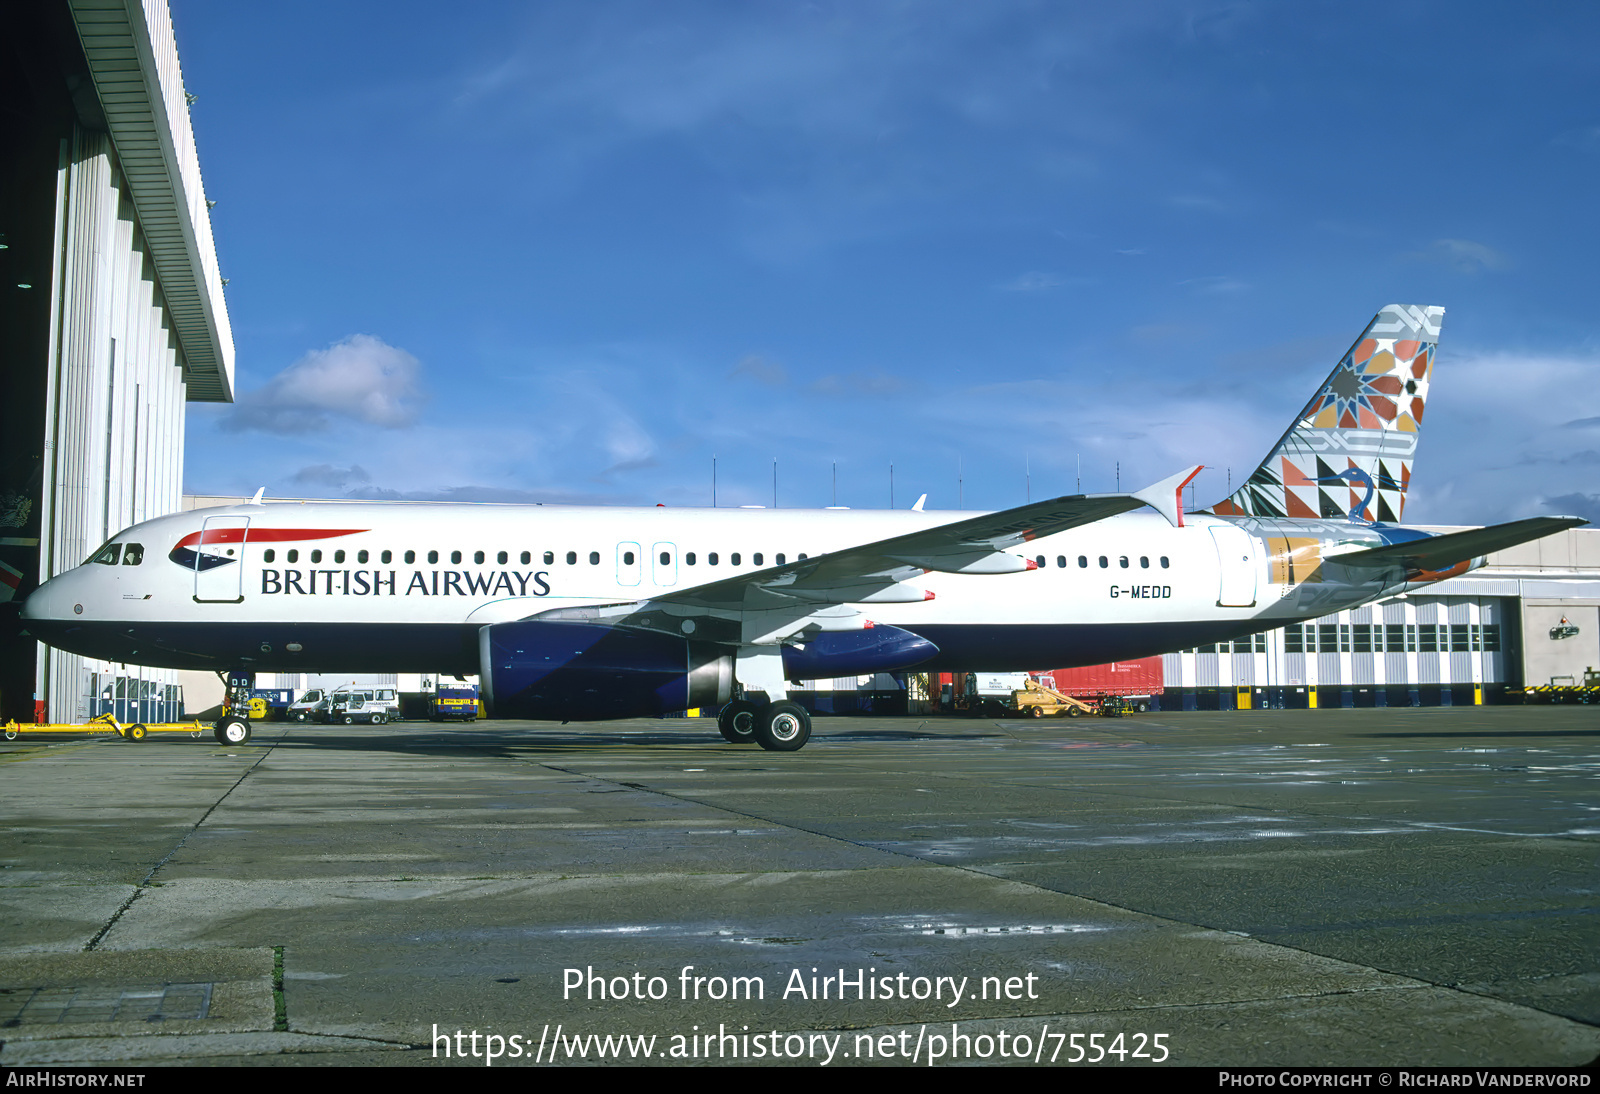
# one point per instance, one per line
(360, 378)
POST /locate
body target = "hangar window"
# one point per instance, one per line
(1293, 639)
(594, 558)
(1123, 561)
(1144, 562)
(1261, 643)
(502, 558)
(386, 558)
(1083, 562)
(711, 559)
(294, 555)
(433, 557)
(477, 558)
(1429, 638)
(572, 558)
(338, 556)
(549, 558)
(1328, 637)
(689, 558)
(108, 555)
(779, 559)
(733, 559)
(1205, 649)
(1363, 638)
(411, 557)
(1460, 638)
(268, 555)
(1104, 562)
(1395, 637)
(527, 557)
(455, 558)
(1491, 638)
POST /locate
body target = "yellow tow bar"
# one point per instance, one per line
(105, 723)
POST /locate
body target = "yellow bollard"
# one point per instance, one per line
(1311, 698)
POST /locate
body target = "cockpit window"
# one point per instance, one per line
(108, 555)
(132, 554)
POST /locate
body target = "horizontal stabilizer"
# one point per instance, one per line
(1442, 552)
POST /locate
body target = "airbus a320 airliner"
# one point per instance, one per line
(580, 613)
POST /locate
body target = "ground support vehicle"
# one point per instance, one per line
(1038, 701)
(450, 703)
(374, 706)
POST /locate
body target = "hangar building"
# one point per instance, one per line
(112, 315)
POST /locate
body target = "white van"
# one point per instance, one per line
(373, 706)
(303, 708)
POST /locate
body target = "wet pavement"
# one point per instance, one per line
(1373, 887)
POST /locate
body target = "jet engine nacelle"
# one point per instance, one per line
(590, 672)
(572, 671)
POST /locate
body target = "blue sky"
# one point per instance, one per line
(572, 251)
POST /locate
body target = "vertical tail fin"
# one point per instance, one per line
(1349, 452)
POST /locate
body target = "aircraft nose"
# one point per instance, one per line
(49, 601)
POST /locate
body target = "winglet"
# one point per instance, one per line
(917, 508)
(257, 499)
(1166, 496)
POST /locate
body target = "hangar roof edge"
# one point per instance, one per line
(133, 58)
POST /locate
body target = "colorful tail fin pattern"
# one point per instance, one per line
(1349, 452)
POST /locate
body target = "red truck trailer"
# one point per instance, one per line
(1135, 682)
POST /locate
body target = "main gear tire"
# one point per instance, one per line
(737, 722)
(783, 727)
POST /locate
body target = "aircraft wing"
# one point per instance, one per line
(1442, 552)
(874, 572)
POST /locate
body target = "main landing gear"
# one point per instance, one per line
(783, 726)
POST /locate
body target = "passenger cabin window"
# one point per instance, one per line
(1163, 562)
(108, 555)
(387, 557)
(1039, 561)
(132, 554)
(1083, 562)
(733, 559)
(361, 557)
(666, 558)
(316, 556)
(338, 556)
(502, 558)
(527, 557)
(455, 558)
(477, 558)
(1104, 562)
(1144, 562)
(1123, 561)
(1061, 561)
(572, 558)
(689, 558)
(268, 555)
(549, 558)
(594, 558)
(294, 554)
(756, 558)
(433, 557)
(711, 559)
(779, 560)
(411, 557)
(627, 558)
